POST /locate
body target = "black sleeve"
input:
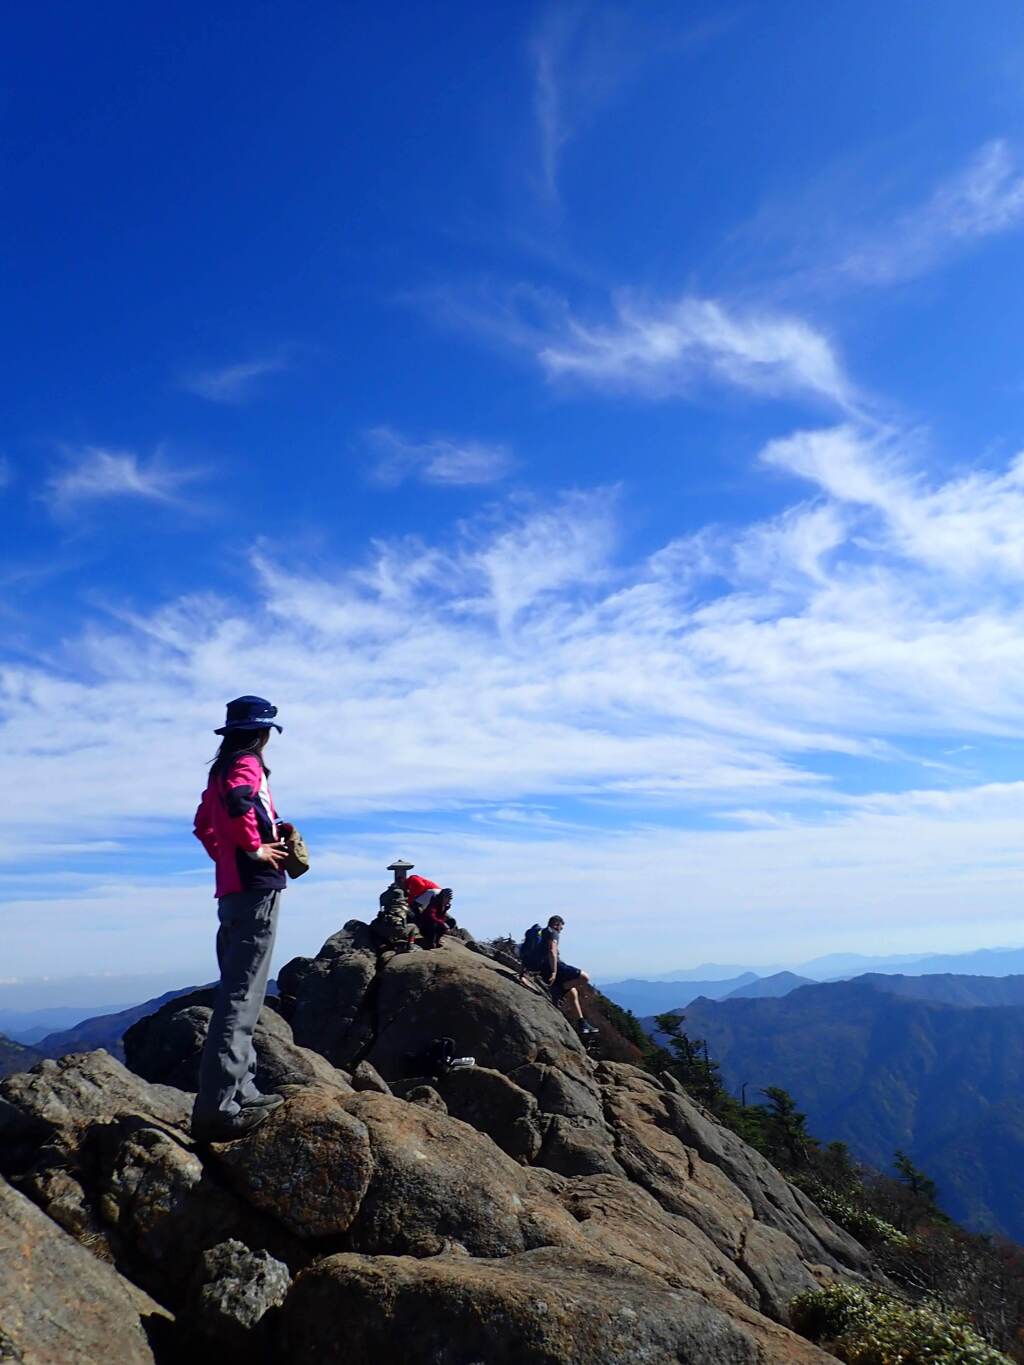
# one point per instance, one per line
(239, 800)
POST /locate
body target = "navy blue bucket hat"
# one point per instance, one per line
(249, 713)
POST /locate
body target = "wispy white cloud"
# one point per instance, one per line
(859, 224)
(655, 348)
(674, 348)
(983, 200)
(235, 383)
(551, 129)
(582, 54)
(966, 529)
(579, 56)
(440, 460)
(94, 474)
(518, 657)
(519, 660)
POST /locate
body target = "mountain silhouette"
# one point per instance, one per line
(933, 1066)
(657, 997)
(768, 986)
(16, 1056)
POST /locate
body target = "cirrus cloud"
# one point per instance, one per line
(95, 474)
(983, 200)
(522, 662)
(441, 461)
(236, 382)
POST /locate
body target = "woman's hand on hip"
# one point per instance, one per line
(275, 854)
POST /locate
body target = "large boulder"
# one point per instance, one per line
(774, 1200)
(166, 1046)
(551, 1306)
(165, 1207)
(576, 1146)
(108, 1157)
(576, 1137)
(569, 1094)
(617, 1218)
(376, 1013)
(327, 999)
(674, 1174)
(437, 1182)
(308, 1165)
(700, 1171)
(60, 1304)
(55, 1102)
(351, 1004)
(774, 1266)
(494, 1105)
(480, 1003)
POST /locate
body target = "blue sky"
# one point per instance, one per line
(598, 429)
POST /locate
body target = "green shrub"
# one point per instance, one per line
(866, 1227)
(867, 1327)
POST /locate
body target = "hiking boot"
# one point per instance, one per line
(461, 1061)
(262, 1101)
(229, 1127)
(584, 1029)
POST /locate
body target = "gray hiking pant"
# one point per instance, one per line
(245, 942)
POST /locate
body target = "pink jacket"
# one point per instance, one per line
(232, 821)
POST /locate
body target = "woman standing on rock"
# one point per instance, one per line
(237, 825)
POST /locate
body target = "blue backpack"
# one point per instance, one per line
(531, 950)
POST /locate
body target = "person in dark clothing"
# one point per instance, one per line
(562, 978)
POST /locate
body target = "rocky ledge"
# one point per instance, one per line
(540, 1207)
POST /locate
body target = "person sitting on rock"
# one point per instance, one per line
(433, 917)
(562, 979)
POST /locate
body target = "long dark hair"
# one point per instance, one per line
(236, 743)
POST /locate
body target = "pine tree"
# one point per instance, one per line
(691, 1064)
(789, 1143)
(914, 1179)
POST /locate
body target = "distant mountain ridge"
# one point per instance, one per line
(104, 1030)
(15, 1057)
(713, 978)
(657, 997)
(28, 1026)
(715, 972)
(931, 1065)
(769, 986)
(949, 988)
(661, 997)
(97, 993)
(982, 962)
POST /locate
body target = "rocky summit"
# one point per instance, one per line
(542, 1206)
